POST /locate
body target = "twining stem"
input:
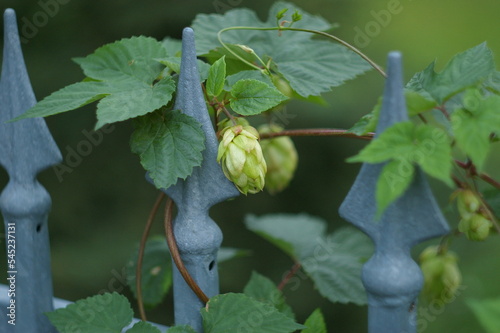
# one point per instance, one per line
(174, 252)
(321, 33)
(318, 132)
(290, 274)
(473, 172)
(142, 246)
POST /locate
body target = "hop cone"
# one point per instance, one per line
(441, 274)
(281, 158)
(241, 157)
(476, 227)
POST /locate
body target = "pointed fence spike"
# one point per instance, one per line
(198, 236)
(26, 148)
(391, 277)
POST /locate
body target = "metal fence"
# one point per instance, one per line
(391, 277)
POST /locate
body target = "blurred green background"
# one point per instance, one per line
(99, 209)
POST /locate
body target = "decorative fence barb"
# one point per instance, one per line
(26, 148)
(197, 236)
(391, 277)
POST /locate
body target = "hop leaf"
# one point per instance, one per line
(441, 274)
(240, 155)
(281, 159)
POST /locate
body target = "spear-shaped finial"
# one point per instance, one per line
(198, 237)
(26, 148)
(391, 277)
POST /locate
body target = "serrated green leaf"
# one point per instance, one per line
(425, 145)
(216, 77)
(408, 144)
(249, 75)
(311, 66)
(472, 128)
(229, 313)
(264, 290)
(143, 327)
(68, 98)
(123, 75)
(107, 313)
(228, 253)
(206, 27)
(416, 103)
(251, 97)
(125, 59)
(169, 146)
(394, 179)
(333, 261)
(131, 98)
(315, 323)
(174, 64)
(464, 70)
(233, 62)
(291, 233)
(487, 312)
(156, 278)
(181, 329)
(397, 137)
(173, 46)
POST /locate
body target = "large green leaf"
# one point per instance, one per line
(315, 323)
(68, 98)
(251, 97)
(169, 145)
(216, 77)
(333, 261)
(464, 70)
(107, 313)
(298, 230)
(487, 312)
(423, 145)
(156, 278)
(229, 313)
(311, 66)
(395, 178)
(264, 290)
(123, 75)
(473, 125)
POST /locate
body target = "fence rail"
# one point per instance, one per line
(391, 277)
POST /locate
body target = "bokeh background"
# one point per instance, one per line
(99, 209)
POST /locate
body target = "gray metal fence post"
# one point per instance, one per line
(391, 277)
(198, 236)
(26, 148)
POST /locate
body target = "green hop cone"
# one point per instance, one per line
(476, 227)
(441, 274)
(281, 158)
(241, 158)
(468, 203)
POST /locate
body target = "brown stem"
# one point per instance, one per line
(318, 132)
(142, 246)
(443, 111)
(471, 169)
(174, 251)
(290, 274)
